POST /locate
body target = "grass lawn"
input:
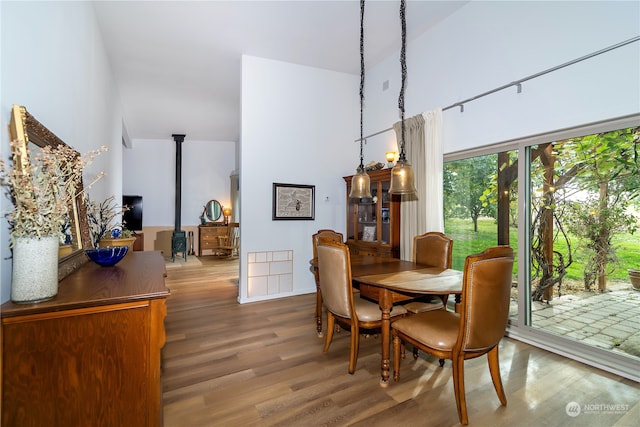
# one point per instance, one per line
(466, 242)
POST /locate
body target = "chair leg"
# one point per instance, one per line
(318, 312)
(458, 388)
(397, 344)
(441, 362)
(494, 369)
(415, 353)
(330, 324)
(355, 347)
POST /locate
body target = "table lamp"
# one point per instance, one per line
(227, 213)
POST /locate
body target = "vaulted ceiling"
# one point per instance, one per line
(177, 63)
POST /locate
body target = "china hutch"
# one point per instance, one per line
(373, 223)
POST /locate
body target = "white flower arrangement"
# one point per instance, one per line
(101, 219)
(43, 191)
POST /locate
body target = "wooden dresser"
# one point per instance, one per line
(208, 236)
(90, 356)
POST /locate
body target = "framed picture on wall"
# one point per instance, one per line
(293, 201)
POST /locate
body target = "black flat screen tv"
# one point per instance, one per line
(133, 217)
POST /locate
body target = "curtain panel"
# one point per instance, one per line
(424, 211)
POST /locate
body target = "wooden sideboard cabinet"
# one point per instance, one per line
(373, 223)
(91, 355)
(209, 236)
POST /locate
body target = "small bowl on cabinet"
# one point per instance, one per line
(108, 256)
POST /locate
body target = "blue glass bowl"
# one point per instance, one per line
(107, 256)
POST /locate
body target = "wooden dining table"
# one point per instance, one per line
(395, 281)
(391, 280)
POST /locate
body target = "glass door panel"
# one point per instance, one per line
(352, 211)
(367, 218)
(481, 207)
(385, 214)
(584, 211)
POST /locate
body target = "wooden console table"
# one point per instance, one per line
(91, 355)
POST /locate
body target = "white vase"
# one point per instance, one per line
(35, 269)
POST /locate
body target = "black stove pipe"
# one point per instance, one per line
(179, 139)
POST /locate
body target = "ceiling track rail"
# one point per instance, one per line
(518, 83)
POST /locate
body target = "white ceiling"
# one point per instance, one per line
(177, 63)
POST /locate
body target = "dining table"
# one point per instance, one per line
(389, 281)
(394, 282)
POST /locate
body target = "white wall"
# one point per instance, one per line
(54, 64)
(298, 127)
(485, 45)
(299, 123)
(149, 171)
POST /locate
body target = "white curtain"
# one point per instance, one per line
(412, 209)
(434, 160)
(423, 212)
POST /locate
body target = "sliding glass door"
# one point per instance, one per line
(584, 211)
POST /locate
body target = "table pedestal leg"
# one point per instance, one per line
(385, 332)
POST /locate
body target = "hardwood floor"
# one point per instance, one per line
(261, 364)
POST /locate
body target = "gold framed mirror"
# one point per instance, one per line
(27, 129)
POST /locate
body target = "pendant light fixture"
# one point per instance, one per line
(361, 183)
(402, 179)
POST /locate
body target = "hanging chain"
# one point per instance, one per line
(403, 70)
(361, 80)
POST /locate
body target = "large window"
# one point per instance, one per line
(576, 235)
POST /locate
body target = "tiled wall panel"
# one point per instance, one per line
(269, 273)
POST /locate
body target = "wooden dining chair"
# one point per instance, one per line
(432, 249)
(332, 236)
(334, 264)
(476, 330)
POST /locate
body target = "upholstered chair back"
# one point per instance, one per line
(335, 278)
(325, 234)
(433, 249)
(485, 298)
